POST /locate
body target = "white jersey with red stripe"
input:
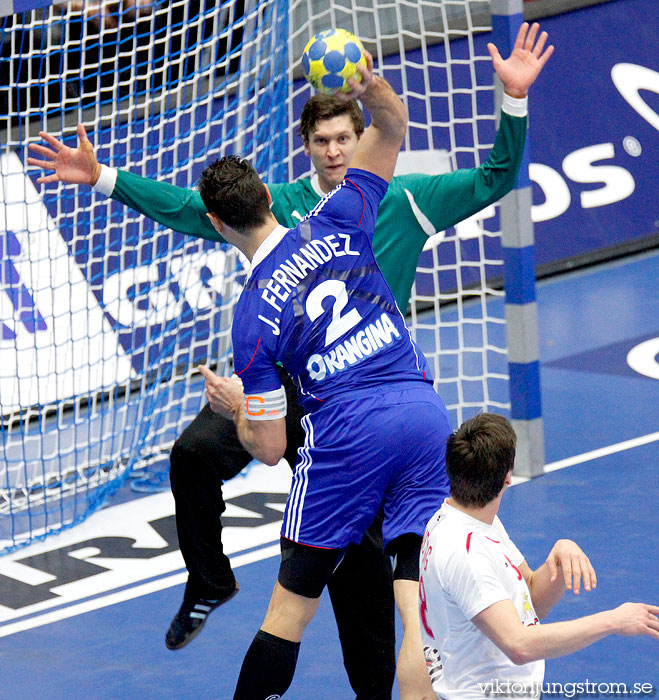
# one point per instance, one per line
(467, 566)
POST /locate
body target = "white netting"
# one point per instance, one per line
(434, 53)
(104, 315)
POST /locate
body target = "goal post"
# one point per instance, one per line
(105, 315)
(521, 311)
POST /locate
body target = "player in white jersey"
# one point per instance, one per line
(479, 602)
(480, 565)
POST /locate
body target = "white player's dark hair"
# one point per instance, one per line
(479, 455)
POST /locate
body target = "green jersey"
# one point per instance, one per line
(415, 207)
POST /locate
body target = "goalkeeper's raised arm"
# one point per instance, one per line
(175, 207)
(77, 166)
(519, 71)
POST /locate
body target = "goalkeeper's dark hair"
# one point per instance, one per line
(479, 455)
(232, 189)
(327, 107)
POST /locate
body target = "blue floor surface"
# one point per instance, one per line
(592, 399)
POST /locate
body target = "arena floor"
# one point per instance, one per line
(83, 615)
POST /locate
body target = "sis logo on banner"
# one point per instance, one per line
(586, 166)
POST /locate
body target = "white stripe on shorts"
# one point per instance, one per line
(301, 481)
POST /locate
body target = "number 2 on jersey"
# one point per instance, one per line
(339, 324)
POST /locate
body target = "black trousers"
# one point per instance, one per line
(208, 453)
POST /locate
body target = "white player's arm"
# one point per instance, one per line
(265, 440)
(378, 147)
(564, 569)
(522, 644)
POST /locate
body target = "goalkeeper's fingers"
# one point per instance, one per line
(45, 153)
(52, 141)
(87, 147)
(45, 179)
(45, 164)
(494, 53)
(85, 143)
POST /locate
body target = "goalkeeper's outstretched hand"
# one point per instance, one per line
(77, 166)
(519, 71)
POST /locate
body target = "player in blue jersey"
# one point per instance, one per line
(316, 302)
(209, 451)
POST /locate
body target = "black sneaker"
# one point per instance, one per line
(191, 618)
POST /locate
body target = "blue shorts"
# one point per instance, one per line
(385, 449)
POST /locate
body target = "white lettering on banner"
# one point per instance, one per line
(618, 183)
(187, 271)
(129, 304)
(643, 358)
(555, 189)
(120, 548)
(77, 352)
(157, 305)
(351, 351)
(297, 267)
(578, 166)
(629, 79)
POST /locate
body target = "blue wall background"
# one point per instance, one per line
(575, 105)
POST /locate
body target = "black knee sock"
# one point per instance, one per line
(268, 668)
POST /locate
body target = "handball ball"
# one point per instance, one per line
(331, 58)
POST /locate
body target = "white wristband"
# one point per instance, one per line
(266, 405)
(106, 181)
(515, 106)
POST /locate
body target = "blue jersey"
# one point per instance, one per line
(317, 303)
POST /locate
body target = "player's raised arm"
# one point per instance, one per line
(519, 71)
(77, 166)
(177, 208)
(565, 568)
(379, 146)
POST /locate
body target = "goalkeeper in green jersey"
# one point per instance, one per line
(208, 452)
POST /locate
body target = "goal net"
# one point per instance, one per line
(105, 315)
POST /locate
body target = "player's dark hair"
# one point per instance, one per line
(232, 189)
(479, 455)
(327, 107)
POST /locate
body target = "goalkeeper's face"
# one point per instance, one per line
(331, 146)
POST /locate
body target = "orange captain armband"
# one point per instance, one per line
(267, 405)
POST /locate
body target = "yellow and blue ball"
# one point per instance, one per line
(331, 58)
